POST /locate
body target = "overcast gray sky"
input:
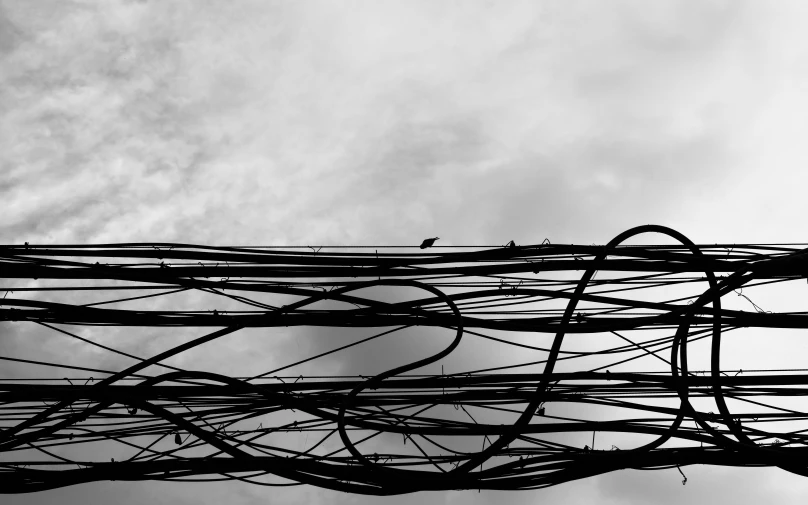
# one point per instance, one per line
(381, 122)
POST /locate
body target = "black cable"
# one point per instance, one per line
(645, 302)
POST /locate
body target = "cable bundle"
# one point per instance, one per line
(517, 426)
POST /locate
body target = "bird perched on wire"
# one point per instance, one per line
(428, 242)
(510, 244)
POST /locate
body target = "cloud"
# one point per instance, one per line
(704, 484)
(260, 121)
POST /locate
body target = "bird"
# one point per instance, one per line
(178, 439)
(579, 317)
(541, 411)
(608, 375)
(428, 242)
(510, 244)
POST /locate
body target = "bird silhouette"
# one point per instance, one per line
(579, 317)
(178, 439)
(428, 242)
(510, 244)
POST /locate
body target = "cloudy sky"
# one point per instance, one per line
(381, 122)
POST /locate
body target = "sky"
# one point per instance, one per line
(386, 122)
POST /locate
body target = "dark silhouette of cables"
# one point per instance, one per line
(592, 314)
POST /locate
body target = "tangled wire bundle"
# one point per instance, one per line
(523, 425)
